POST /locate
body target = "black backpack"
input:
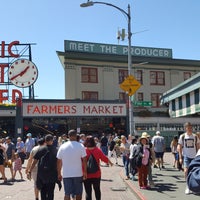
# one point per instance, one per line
(92, 165)
(136, 160)
(44, 167)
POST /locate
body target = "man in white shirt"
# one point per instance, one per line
(188, 145)
(72, 158)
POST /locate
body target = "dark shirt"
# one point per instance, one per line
(49, 175)
(10, 149)
(104, 141)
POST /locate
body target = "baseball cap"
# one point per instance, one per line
(29, 135)
(157, 132)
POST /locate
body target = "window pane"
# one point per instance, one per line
(122, 75)
(89, 95)
(89, 75)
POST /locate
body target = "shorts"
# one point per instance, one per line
(34, 177)
(73, 185)
(186, 161)
(159, 154)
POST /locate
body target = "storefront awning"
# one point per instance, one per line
(183, 99)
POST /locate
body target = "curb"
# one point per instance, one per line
(132, 187)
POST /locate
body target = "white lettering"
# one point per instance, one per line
(108, 49)
(81, 47)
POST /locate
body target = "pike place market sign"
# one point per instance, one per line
(88, 47)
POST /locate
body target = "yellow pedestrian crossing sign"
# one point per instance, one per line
(130, 85)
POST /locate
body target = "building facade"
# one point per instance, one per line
(94, 72)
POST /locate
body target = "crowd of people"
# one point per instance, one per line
(64, 160)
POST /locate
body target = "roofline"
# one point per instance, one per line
(123, 59)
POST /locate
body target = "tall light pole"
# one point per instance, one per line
(128, 14)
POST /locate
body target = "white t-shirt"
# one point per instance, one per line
(33, 152)
(188, 144)
(71, 153)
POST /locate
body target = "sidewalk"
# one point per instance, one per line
(169, 184)
(113, 187)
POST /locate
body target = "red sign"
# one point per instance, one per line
(7, 51)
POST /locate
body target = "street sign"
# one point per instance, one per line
(143, 103)
(130, 85)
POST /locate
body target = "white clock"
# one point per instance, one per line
(23, 73)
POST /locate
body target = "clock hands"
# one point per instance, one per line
(20, 74)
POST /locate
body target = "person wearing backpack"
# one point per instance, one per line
(140, 159)
(188, 144)
(94, 175)
(47, 175)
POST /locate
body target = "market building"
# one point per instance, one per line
(94, 101)
(94, 72)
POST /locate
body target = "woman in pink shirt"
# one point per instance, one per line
(143, 169)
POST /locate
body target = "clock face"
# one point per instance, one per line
(23, 73)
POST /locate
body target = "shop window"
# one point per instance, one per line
(157, 78)
(89, 75)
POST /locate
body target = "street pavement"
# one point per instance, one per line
(113, 187)
(169, 184)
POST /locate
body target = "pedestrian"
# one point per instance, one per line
(133, 169)
(143, 153)
(173, 146)
(158, 143)
(112, 150)
(29, 144)
(55, 141)
(96, 139)
(17, 165)
(10, 151)
(20, 148)
(47, 170)
(104, 144)
(151, 160)
(94, 179)
(64, 138)
(82, 138)
(3, 158)
(188, 144)
(72, 162)
(41, 142)
(125, 150)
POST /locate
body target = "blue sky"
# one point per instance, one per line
(168, 24)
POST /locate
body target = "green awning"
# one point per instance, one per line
(183, 99)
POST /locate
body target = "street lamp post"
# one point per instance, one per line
(128, 14)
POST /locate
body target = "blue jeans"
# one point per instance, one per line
(104, 149)
(125, 160)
